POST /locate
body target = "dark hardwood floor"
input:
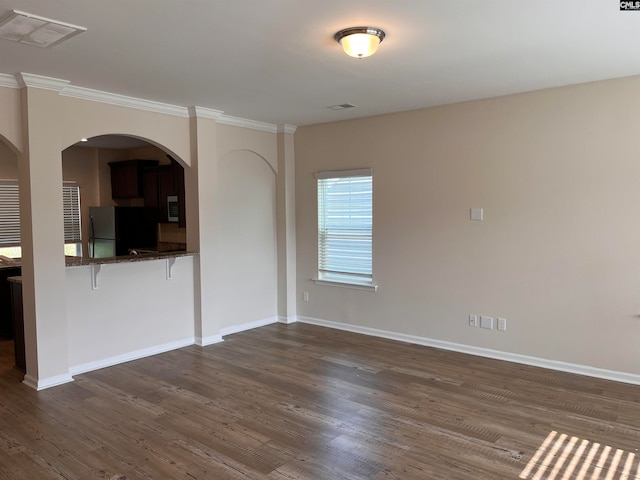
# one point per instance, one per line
(305, 402)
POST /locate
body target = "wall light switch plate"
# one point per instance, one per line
(477, 214)
(486, 322)
(473, 320)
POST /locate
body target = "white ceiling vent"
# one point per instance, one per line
(342, 106)
(34, 30)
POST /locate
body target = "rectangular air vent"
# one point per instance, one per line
(34, 30)
(341, 106)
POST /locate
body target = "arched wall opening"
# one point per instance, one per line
(135, 308)
(116, 170)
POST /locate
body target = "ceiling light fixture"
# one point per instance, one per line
(34, 30)
(359, 42)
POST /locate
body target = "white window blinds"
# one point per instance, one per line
(10, 214)
(345, 225)
(71, 207)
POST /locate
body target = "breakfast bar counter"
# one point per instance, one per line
(141, 257)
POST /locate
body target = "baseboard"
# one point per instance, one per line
(203, 342)
(288, 320)
(247, 326)
(127, 357)
(586, 370)
(41, 384)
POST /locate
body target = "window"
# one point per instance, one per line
(10, 220)
(72, 229)
(345, 225)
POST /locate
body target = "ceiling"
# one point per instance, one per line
(276, 61)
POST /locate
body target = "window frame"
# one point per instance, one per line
(359, 276)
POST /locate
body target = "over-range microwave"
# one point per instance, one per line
(172, 208)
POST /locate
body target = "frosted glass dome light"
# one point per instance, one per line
(359, 42)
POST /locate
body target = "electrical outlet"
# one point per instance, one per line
(305, 296)
(473, 320)
(502, 324)
(486, 322)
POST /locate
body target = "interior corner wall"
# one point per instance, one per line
(556, 172)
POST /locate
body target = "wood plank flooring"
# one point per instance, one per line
(305, 402)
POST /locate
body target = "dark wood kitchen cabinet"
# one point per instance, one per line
(166, 188)
(127, 178)
(162, 182)
(150, 192)
(18, 322)
(6, 321)
(179, 175)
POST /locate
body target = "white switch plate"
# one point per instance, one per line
(486, 322)
(477, 214)
(305, 296)
(502, 324)
(473, 320)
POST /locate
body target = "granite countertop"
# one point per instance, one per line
(81, 262)
(15, 264)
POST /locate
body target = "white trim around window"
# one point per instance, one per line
(345, 228)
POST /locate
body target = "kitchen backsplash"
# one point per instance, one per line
(171, 237)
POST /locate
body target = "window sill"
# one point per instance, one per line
(356, 286)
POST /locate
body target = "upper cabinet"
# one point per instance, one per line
(171, 184)
(126, 178)
(152, 182)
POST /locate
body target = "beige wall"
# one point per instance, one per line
(53, 306)
(84, 119)
(136, 310)
(8, 163)
(246, 257)
(10, 118)
(557, 173)
(244, 206)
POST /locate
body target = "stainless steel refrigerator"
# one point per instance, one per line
(113, 231)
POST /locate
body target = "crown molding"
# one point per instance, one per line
(64, 88)
(220, 117)
(44, 83)
(8, 81)
(290, 129)
(203, 112)
(245, 123)
(124, 101)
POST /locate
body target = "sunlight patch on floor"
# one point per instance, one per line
(570, 458)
